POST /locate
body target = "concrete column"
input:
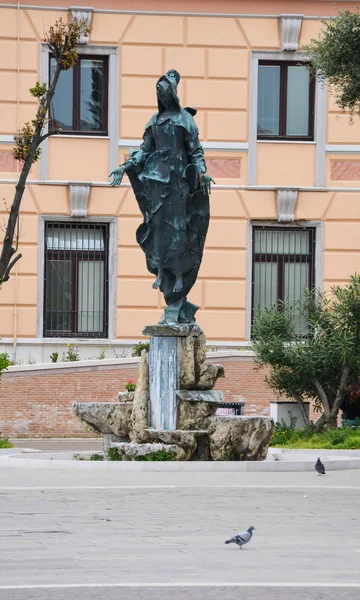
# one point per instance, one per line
(164, 371)
(163, 382)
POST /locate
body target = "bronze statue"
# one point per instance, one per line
(168, 176)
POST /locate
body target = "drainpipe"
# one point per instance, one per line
(15, 311)
(15, 316)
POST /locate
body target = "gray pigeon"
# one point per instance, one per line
(319, 467)
(241, 538)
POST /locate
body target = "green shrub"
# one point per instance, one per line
(140, 347)
(4, 443)
(283, 432)
(113, 454)
(342, 438)
(159, 455)
(96, 456)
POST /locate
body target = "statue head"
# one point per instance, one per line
(166, 90)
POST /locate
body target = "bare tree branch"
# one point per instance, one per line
(46, 135)
(6, 276)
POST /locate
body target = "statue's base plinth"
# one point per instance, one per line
(176, 362)
(172, 330)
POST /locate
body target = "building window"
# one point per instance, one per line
(286, 98)
(80, 101)
(76, 280)
(283, 267)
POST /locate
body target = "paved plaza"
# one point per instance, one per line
(62, 530)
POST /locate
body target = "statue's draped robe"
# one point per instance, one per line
(165, 178)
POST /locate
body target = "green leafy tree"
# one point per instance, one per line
(61, 39)
(334, 56)
(321, 364)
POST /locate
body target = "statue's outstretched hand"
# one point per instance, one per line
(118, 175)
(205, 183)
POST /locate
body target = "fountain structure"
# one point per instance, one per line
(174, 405)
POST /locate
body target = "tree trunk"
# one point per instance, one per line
(301, 404)
(8, 251)
(321, 394)
(341, 391)
(331, 421)
(328, 419)
(319, 425)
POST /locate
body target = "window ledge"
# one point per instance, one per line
(81, 137)
(286, 141)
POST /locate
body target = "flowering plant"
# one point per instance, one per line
(72, 354)
(130, 385)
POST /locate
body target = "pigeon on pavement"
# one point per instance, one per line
(319, 467)
(241, 538)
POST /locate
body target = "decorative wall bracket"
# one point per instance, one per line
(81, 13)
(79, 196)
(286, 205)
(290, 31)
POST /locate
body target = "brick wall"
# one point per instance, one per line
(38, 403)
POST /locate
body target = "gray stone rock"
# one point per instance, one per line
(239, 438)
(212, 396)
(187, 362)
(140, 405)
(126, 396)
(195, 407)
(110, 438)
(209, 374)
(200, 353)
(193, 372)
(105, 417)
(175, 330)
(132, 450)
(194, 443)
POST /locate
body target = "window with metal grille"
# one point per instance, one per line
(76, 280)
(286, 100)
(283, 267)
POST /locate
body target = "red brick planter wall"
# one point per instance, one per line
(38, 403)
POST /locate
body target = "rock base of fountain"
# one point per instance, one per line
(172, 413)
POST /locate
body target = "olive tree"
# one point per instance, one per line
(334, 56)
(321, 363)
(61, 40)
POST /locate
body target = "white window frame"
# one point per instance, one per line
(113, 104)
(320, 116)
(319, 243)
(111, 266)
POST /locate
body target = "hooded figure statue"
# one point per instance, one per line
(168, 177)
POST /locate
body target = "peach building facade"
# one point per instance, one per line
(285, 209)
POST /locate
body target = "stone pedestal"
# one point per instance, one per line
(177, 362)
(163, 382)
(165, 370)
